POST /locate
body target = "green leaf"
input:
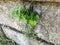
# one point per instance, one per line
(37, 16)
(33, 23)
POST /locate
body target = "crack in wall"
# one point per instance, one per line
(37, 38)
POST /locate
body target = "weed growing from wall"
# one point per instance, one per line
(5, 40)
(20, 12)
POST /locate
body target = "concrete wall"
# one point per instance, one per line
(48, 25)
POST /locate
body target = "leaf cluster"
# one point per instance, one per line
(20, 12)
(29, 15)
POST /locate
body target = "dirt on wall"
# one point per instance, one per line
(51, 22)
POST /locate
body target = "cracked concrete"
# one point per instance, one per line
(48, 27)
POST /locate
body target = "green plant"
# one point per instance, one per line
(4, 39)
(20, 12)
(29, 15)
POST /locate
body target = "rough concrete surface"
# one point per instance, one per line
(48, 27)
